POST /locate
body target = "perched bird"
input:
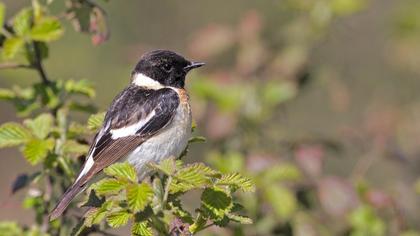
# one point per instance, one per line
(150, 120)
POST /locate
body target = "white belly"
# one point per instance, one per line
(170, 142)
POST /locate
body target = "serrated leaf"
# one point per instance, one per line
(2, 14)
(108, 186)
(23, 21)
(216, 202)
(48, 29)
(122, 171)
(12, 134)
(118, 219)
(36, 150)
(141, 229)
(138, 196)
(96, 215)
(40, 126)
(237, 180)
(167, 166)
(12, 47)
(196, 175)
(83, 87)
(95, 121)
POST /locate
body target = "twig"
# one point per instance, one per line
(38, 64)
(15, 66)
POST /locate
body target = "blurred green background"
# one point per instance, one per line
(328, 86)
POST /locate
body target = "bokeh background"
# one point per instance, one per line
(318, 100)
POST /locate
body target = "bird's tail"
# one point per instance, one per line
(65, 200)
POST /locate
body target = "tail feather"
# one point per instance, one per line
(65, 200)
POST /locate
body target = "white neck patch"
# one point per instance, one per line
(145, 81)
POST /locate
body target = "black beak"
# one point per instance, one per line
(193, 65)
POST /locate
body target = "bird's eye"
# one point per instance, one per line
(167, 67)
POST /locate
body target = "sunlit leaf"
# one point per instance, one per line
(40, 126)
(237, 180)
(12, 134)
(240, 219)
(96, 215)
(108, 186)
(138, 196)
(48, 29)
(95, 121)
(10, 228)
(36, 150)
(6, 94)
(83, 87)
(141, 229)
(74, 147)
(192, 176)
(118, 219)
(22, 22)
(167, 166)
(122, 171)
(12, 47)
(365, 222)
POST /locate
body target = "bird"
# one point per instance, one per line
(149, 121)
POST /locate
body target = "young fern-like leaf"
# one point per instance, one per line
(108, 186)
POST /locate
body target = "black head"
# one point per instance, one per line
(165, 67)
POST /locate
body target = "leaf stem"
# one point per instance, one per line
(167, 186)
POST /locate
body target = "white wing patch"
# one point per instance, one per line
(89, 163)
(131, 129)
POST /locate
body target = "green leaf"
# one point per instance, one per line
(196, 175)
(282, 201)
(96, 215)
(197, 139)
(95, 121)
(73, 147)
(2, 14)
(118, 219)
(12, 47)
(48, 29)
(240, 219)
(138, 196)
(108, 186)
(36, 150)
(237, 180)
(216, 202)
(23, 21)
(83, 87)
(10, 228)
(158, 195)
(12, 134)
(364, 221)
(141, 229)
(40, 126)
(122, 171)
(7, 94)
(167, 166)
